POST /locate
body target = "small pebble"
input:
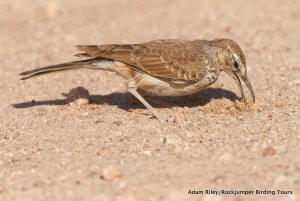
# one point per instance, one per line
(111, 173)
(78, 96)
(147, 153)
(226, 156)
(239, 199)
(2, 189)
(269, 151)
(118, 123)
(233, 111)
(172, 139)
(176, 119)
(175, 142)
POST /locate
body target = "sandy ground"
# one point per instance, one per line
(52, 151)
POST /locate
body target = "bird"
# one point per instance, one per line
(162, 67)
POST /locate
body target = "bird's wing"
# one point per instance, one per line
(175, 60)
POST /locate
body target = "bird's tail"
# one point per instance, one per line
(95, 63)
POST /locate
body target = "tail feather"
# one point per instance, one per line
(87, 64)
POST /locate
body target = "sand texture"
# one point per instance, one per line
(112, 149)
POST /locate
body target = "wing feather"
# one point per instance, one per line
(166, 59)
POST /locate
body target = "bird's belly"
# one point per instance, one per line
(159, 87)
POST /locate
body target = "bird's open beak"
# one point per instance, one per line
(238, 78)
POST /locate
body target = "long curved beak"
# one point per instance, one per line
(238, 78)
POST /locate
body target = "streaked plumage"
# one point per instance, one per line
(162, 67)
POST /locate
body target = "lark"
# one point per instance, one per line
(168, 67)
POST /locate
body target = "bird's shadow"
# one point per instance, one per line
(121, 100)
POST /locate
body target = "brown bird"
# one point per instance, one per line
(162, 67)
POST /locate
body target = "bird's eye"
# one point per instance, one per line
(236, 65)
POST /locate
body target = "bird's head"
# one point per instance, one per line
(232, 60)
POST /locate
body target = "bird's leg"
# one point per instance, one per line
(161, 103)
(149, 99)
(148, 106)
(134, 100)
(145, 103)
(132, 88)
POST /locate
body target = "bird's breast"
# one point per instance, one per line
(212, 72)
